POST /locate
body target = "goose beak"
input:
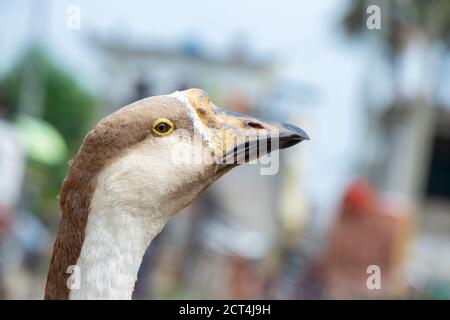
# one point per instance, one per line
(290, 135)
(246, 138)
(238, 138)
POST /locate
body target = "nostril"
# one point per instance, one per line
(255, 125)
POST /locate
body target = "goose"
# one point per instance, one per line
(127, 181)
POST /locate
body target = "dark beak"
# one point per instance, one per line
(252, 138)
(290, 135)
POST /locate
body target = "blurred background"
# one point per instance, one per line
(370, 192)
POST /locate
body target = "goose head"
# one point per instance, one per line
(136, 169)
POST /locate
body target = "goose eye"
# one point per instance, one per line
(162, 127)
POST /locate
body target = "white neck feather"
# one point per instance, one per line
(112, 252)
(125, 215)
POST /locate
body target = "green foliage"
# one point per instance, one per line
(65, 105)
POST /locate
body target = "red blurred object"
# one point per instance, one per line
(370, 231)
(360, 197)
(6, 219)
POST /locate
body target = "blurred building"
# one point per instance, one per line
(410, 127)
(234, 78)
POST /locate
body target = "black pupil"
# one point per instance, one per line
(162, 127)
